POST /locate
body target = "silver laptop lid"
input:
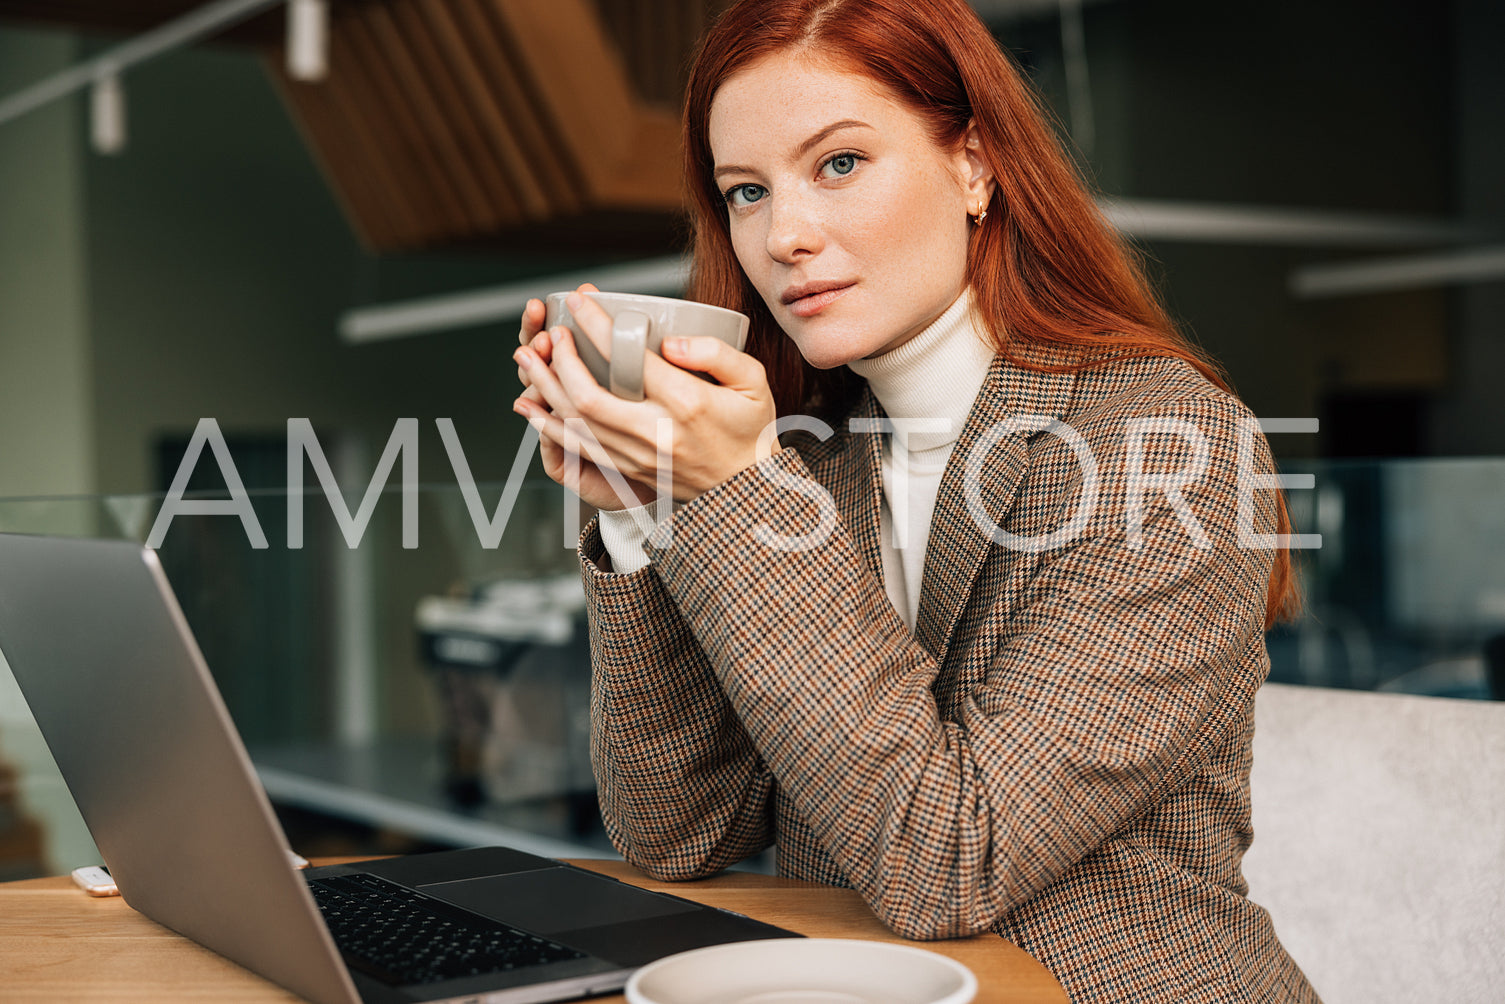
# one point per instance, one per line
(119, 689)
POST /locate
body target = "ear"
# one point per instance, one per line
(977, 173)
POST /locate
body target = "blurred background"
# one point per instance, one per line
(207, 214)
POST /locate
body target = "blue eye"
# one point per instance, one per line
(840, 165)
(742, 196)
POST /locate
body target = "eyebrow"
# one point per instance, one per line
(800, 150)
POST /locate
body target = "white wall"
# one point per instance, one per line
(45, 411)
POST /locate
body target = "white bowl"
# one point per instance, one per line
(804, 971)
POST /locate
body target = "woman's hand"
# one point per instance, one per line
(562, 461)
(709, 432)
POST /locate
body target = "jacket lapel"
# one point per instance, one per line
(857, 485)
(960, 538)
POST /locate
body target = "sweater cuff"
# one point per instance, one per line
(623, 532)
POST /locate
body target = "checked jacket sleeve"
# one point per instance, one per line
(683, 791)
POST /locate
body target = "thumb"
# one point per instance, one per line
(718, 360)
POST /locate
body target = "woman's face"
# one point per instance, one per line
(846, 216)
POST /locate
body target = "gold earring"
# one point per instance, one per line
(979, 216)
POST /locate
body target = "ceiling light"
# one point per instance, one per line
(307, 39)
(107, 114)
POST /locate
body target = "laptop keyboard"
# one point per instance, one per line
(403, 937)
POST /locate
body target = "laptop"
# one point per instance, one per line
(121, 693)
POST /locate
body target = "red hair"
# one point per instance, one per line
(1046, 271)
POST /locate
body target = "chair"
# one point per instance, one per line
(1379, 842)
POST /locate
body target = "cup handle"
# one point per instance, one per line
(629, 342)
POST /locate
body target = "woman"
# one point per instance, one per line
(995, 670)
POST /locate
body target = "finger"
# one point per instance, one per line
(615, 424)
(552, 451)
(567, 390)
(572, 437)
(543, 345)
(532, 394)
(592, 319)
(599, 445)
(588, 396)
(550, 427)
(547, 394)
(704, 354)
(555, 464)
(533, 319)
(541, 378)
(522, 370)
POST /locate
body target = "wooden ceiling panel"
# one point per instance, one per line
(335, 139)
(525, 117)
(577, 74)
(461, 121)
(496, 149)
(398, 62)
(131, 17)
(397, 149)
(478, 176)
(366, 137)
(657, 39)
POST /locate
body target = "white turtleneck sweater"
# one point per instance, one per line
(926, 386)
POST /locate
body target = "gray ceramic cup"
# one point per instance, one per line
(640, 323)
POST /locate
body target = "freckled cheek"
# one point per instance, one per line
(931, 219)
(889, 232)
(752, 256)
(912, 204)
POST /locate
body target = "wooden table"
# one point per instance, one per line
(57, 944)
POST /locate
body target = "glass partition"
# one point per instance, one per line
(1407, 592)
(441, 690)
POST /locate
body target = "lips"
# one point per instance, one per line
(811, 298)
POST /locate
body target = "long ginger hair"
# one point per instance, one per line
(1046, 271)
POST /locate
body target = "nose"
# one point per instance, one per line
(794, 229)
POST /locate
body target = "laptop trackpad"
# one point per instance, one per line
(553, 900)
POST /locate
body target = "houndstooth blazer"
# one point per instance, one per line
(1058, 752)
